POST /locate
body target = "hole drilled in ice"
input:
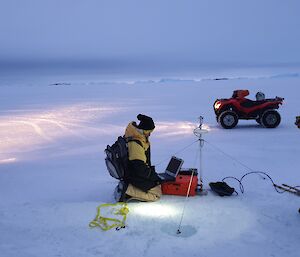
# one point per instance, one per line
(185, 231)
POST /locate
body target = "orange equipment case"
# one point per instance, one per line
(181, 185)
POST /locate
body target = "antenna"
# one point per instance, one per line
(198, 132)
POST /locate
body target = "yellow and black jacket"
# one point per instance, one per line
(140, 173)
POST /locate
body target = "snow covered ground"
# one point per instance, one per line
(53, 131)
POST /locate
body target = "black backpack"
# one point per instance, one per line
(117, 157)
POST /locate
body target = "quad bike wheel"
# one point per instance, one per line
(228, 119)
(270, 119)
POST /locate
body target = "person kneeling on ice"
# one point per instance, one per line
(142, 182)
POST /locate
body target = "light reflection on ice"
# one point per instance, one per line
(22, 132)
(181, 128)
(26, 131)
(154, 210)
(8, 160)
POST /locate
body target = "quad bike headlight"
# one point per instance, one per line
(217, 105)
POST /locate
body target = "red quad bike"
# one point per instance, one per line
(229, 111)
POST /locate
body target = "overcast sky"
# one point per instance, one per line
(214, 31)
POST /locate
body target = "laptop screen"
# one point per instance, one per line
(174, 165)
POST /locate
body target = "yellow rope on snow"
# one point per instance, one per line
(106, 223)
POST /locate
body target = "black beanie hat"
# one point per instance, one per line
(146, 123)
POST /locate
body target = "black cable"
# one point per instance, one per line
(254, 172)
(248, 168)
(240, 183)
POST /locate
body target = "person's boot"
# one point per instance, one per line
(120, 190)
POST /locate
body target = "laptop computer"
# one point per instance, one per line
(172, 169)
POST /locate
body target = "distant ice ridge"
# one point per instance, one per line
(177, 80)
(93, 79)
